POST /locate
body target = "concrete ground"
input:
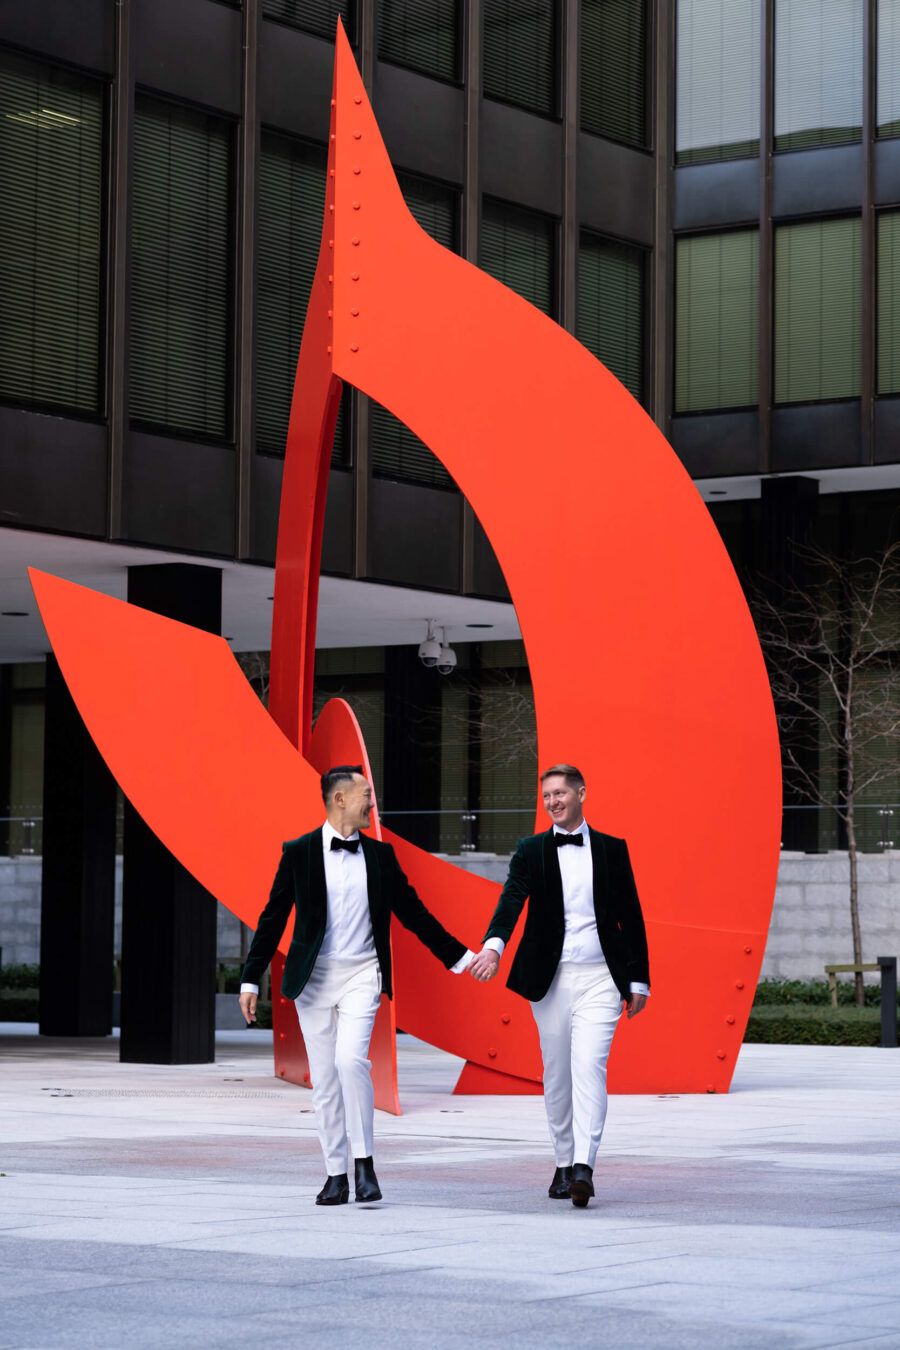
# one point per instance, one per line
(146, 1206)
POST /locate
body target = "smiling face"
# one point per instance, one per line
(351, 805)
(562, 802)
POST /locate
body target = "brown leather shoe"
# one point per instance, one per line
(581, 1186)
(559, 1186)
(336, 1191)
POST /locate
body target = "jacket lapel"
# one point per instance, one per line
(373, 874)
(552, 874)
(315, 872)
(601, 873)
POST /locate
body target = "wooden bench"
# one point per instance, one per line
(832, 971)
(887, 965)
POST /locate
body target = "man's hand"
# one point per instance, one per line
(485, 965)
(248, 1007)
(635, 1003)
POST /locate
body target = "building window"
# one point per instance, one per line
(181, 272)
(518, 247)
(314, 16)
(887, 115)
(888, 381)
(520, 53)
(716, 321)
(51, 168)
(613, 45)
(818, 72)
(396, 453)
(290, 205)
(610, 307)
(718, 88)
(817, 310)
(421, 34)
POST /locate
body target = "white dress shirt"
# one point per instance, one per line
(348, 924)
(582, 941)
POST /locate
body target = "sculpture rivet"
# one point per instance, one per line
(354, 312)
(331, 281)
(355, 240)
(354, 276)
(505, 1019)
(357, 98)
(356, 206)
(730, 1021)
(354, 346)
(357, 169)
(739, 984)
(492, 1053)
(720, 1054)
(748, 950)
(357, 135)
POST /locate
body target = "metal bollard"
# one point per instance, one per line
(888, 966)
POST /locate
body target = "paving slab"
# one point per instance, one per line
(154, 1205)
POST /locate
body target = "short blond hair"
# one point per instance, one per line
(574, 777)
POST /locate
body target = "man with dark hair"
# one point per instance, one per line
(582, 956)
(343, 887)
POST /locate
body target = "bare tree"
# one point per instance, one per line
(255, 666)
(832, 645)
(493, 720)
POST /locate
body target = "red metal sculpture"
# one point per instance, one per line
(643, 658)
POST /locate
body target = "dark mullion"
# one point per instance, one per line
(247, 194)
(660, 379)
(471, 225)
(119, 201)
(765, 337)
(868, 243)
(567, 15)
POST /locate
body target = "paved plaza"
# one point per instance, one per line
(147, 1206)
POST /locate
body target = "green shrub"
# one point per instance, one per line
(788, 992)
(803, 1025)
(19, 1005)
(19, 977)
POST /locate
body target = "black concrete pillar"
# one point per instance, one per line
(168, 918)
(412, 740)
(789, 511)
(78, 873)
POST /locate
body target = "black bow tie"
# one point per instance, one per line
(576, 839)
(351, 845)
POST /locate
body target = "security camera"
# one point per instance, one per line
(447, 659)
(430, 650)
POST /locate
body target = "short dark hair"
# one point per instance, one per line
(574, 777)
(333, 778)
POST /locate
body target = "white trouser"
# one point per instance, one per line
(337, 1010)
(576, 1020)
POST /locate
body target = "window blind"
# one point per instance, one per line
(395, 452)
(818, 72)
(887, 115)
(518, 248)
(614, 69)
(520, 53)
(289, 213)
(421, 34)
(181, 248)
(717, 82)
(888, 379)
(314, 16)
(818, 306)
(716, 321)
(610, 307)
(51, 168)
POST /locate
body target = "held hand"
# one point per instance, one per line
(248, 1007)
(635, 1004)
(485, 965)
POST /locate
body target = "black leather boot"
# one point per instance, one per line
(336, 1191)
(367, 1187)
(559, 1186)
(581, 1186)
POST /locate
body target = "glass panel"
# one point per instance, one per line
(181, 261)
(614, 69)
(520, 53)
(51, 165)
(889, 303)
(716, 321)
(313, 16)
(421, 34)
(517, 247)
(610, 311)
(291, 201)
(818, 72)
(718, 83)
(817, 310)
(887, 116)
(396, 452)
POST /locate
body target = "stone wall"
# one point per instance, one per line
(810, 921)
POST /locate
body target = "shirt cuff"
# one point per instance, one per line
(249, 988)
(494, 945)
(463, 963)
(638, 988)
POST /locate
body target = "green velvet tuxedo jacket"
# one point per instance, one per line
(300, 885)
(534, 876)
